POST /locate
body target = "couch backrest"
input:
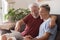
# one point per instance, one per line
(58, 30)
(58, 22)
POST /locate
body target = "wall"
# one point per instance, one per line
(22, 3)
(0, 10)
(54, 4)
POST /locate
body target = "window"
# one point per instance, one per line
(4, 10)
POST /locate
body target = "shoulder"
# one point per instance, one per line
(48, 21)
(27, 16)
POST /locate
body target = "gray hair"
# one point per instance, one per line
(33, 4)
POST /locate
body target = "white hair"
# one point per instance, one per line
(33, 4)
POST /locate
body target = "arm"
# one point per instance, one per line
(45, 37)
(19, 24)
(48, 32)
(53, 21)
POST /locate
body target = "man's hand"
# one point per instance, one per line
(53, 21)
(18, 25)
(17, 28)
(28, 37)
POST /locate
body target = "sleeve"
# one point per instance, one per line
(49, 30)
(26, 19)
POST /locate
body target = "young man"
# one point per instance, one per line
(45, 33)
(32, 22)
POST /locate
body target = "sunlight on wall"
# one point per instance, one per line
(4, 8)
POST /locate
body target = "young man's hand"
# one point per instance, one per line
(53, 21)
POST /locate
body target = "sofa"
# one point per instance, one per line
(58, 29)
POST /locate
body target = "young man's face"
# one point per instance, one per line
(35, 11)
(43, 12)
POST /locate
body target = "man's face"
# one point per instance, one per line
(35, 11)
(43, 12)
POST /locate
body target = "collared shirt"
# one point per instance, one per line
(32, 26)
(45, 28)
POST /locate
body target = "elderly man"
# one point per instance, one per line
(32, 21)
